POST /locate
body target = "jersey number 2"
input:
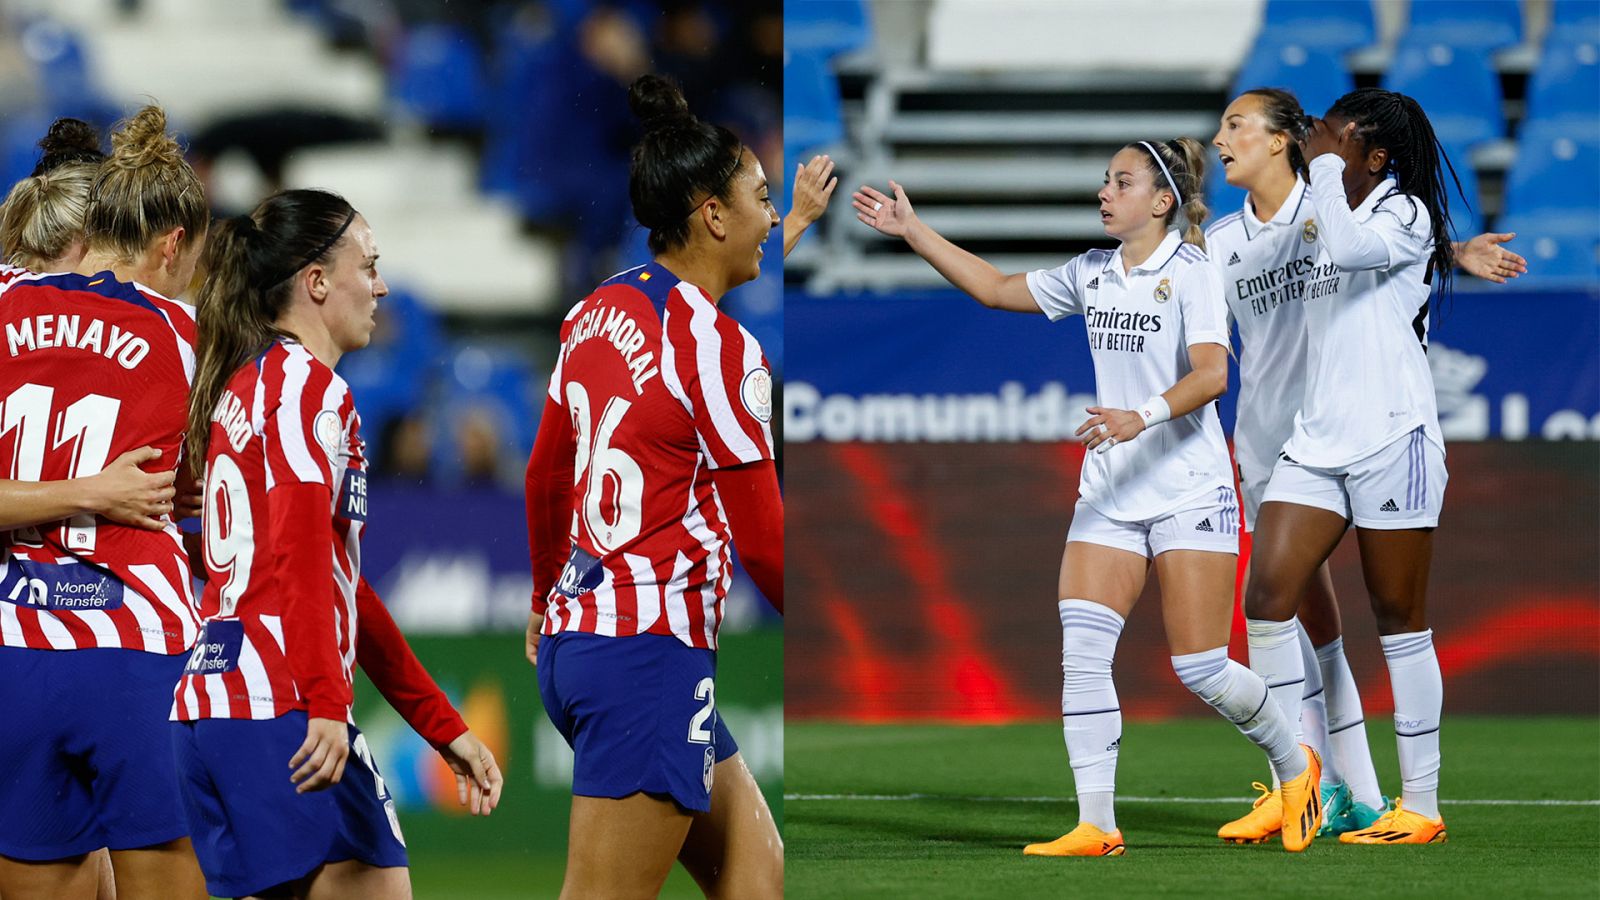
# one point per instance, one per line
(604, 470)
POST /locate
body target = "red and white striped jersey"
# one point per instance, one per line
(93, 368)
(662, 387)
(284, 417)
(9, 274)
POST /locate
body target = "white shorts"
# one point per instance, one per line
(1210, 523)
(1400, 486)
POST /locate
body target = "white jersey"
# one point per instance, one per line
(1141, 325)
(1265, 273)
(1367, 377)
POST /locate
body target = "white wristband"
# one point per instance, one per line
(1155, 411)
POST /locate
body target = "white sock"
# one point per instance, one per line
(1241, 696)
(1313, 710)
(1347, 732)
(1091, 719)
(1275, 656)
(1418, 702)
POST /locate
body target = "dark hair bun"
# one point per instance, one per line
(68, 141)
(657, 101)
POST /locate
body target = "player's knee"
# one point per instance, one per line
(1263, 599)
(1394, 616)
(1205, 677)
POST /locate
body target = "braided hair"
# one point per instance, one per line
(1397, 123)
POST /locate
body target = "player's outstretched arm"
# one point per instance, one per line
(386, 657)
(813, 188)
(478, 777)
(122, 492)
(754, 505)
(1207, 380)
(1484, 257)
(894, 217)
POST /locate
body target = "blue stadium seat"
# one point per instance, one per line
(1316, 75)
(484, 379)
(438, 76)
(66, 85)
(812, 119)
(1556, 247)
(1557, 173)
(1575, 19)
(19, 147)
(825, 27)
(1478, 24)
(1567, 83)
(1334, 25)
(1456, 85)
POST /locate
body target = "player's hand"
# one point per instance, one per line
(813, 188)
(535, 624)
(1484, 257)
(1323, 139)
(478, 778)
(321, 758)
(190, 498)
(1107, 428)
(890, 215)
(128, 495)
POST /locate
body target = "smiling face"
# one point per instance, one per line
(1247, 146)
(1130, 201)
(353, 287)
(748, 217)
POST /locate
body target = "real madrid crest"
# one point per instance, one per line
(1164, 290)
(1310, 231)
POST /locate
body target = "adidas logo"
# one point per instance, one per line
(1094, 284)
(1205, 525)
(1389, 507)
(1233, 260)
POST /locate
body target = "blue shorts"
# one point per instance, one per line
(640, 714)
(251, 831)
(87, 751)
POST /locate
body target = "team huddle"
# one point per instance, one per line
(169, 744)
(1327, 273)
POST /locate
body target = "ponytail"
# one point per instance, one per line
(250, 262)
(1194, 199)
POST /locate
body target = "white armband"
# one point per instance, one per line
(1155, 411)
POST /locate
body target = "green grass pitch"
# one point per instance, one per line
(985, 791)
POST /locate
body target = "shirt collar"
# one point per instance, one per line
(1287, 211)
(1367, 206)
(1165, 251)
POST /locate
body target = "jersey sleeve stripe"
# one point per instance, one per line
(290, 419)
(669, 363)
(713, 383)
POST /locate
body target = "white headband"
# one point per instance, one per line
(1173, 184)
